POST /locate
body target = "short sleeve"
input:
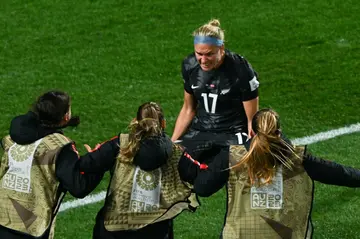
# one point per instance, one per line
(186, 78)
(250, 81)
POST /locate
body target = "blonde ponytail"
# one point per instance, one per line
(267, 150)
(147, 124)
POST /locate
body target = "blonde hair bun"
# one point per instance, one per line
(210, 29)
(214, 22)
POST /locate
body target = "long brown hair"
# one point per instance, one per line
(267, 149)
(149, 122)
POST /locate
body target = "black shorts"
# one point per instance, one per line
(197, 142)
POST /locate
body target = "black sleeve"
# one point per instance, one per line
(188, 171)
(329, 172)
(211, 180)
(249, 80)
(102, 158)
(69, 174)
(185, 76)
(153, 152)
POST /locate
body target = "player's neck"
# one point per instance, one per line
(220, 61)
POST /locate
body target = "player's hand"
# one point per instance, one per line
(89, 149)
(251, 134)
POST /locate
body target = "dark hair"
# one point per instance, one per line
(148, 122)
(51, 107)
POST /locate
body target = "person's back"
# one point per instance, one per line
(32, 181)
(145, 190)
(269, 182)
(280, 207)
(150, 194)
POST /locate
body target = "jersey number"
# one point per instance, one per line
(206, 101)
(240, 137)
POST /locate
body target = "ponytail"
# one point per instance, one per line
(147, 124)
(267, 151)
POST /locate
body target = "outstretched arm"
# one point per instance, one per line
(77, 183)
(81, 174)
(329, 172)
(101, 158)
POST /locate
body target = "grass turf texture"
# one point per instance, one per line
(111, 56)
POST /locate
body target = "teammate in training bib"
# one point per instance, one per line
(270, 182)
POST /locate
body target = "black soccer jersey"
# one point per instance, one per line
(220, 92)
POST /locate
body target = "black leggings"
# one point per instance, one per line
(160, 230)
(6, 233)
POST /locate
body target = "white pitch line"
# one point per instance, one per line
(327, 135)
(94, 198)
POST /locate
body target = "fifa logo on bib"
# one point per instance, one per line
(18, 176)
(145, 193)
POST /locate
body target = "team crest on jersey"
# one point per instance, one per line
(224, 91)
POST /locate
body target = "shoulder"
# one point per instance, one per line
(300, 150)
(56, 140)
(123, 140)
(248, 78)
(237, 59)
(6, 142)
(233, 55)
(189, 62)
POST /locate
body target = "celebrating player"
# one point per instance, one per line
(220, 93)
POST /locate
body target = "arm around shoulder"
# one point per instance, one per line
(71, 178)
(102, 158)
